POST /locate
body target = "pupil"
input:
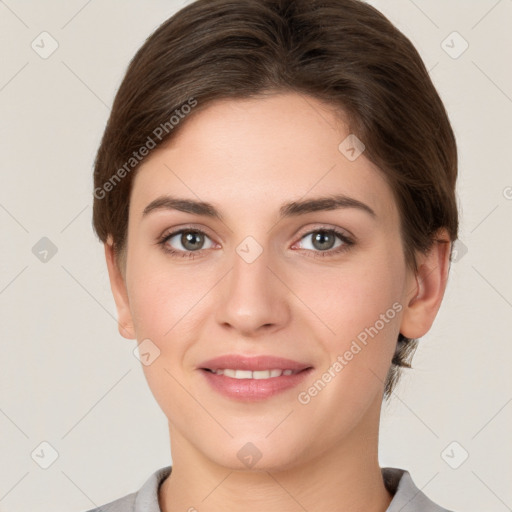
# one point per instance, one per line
(321, 238)
(188, 240)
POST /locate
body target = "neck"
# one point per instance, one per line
(345, 477)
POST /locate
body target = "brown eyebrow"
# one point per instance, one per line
(291, 209)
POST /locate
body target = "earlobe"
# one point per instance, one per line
(424, 298)
(118, 287)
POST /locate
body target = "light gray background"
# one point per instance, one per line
(69, 379)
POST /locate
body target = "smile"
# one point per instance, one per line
(253, 385)
(248, 374)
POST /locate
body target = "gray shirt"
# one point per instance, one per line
(406, 496)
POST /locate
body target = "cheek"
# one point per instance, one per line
(162, 299)
(164, 310)
(353, 297)
(361, 305)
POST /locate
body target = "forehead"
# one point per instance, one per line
(255, 153)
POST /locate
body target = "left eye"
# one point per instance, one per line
(324, 240)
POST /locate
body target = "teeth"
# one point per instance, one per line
(248, 374)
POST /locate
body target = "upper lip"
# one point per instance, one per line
(253, 363)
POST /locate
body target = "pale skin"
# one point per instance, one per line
(247, 158)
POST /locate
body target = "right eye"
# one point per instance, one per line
(192, 240)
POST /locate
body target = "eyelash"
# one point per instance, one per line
(347, 243)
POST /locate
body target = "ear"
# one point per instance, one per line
(424, 297)
(118, 287)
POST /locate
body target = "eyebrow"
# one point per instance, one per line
(291, 209)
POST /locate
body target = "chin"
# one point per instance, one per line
(243, 454)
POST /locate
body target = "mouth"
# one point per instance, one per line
(256, 374)
(249, 379)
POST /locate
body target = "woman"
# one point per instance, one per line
(275, 190)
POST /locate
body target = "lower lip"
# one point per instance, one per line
(254, 389)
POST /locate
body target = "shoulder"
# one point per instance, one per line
(143, 500)
(406, 495)
(124, 504)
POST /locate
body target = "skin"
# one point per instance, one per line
(247, 158)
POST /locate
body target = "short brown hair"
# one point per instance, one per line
(343, 52)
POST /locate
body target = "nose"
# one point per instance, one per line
(252, 298)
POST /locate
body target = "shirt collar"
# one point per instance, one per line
(406, 496)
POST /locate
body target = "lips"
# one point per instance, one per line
(253, 363)
(255, 378)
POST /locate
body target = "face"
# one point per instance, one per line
(324, 287)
